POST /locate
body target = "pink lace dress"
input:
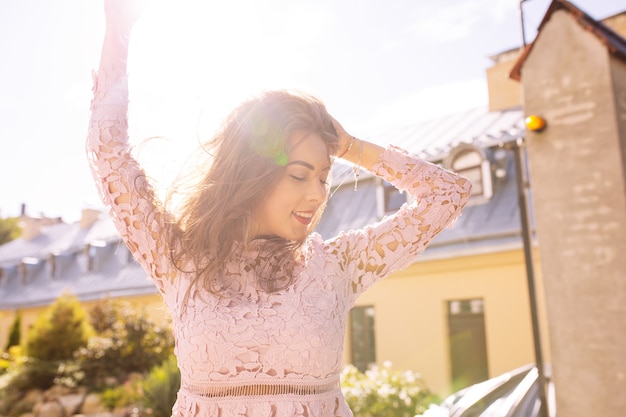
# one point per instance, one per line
(265, 354)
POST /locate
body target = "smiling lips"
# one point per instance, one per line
(304, 217)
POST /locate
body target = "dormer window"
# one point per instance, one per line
(472, 163)
(52, 265)
(28, 265)
(388, 198)
(122, 253)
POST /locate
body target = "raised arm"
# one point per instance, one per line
(121, 182)
(369, 254)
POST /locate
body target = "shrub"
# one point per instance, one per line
(160, 388)
(60, 331)
(20, 373)
(381, 392)
(33, 374)
(128, 341)
(127, 394)
(10, 361)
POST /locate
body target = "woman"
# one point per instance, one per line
(259, 301)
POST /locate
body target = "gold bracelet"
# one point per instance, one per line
(357, 167)
(348, 148)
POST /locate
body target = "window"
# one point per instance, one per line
(388, 199)
(472, 163)
(362, 337)
(467, 342)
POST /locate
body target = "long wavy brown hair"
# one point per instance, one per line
(248, 154)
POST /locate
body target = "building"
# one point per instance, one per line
(574, 75)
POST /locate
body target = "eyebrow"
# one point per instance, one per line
(307, 165)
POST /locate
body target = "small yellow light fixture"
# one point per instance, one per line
(535, 123)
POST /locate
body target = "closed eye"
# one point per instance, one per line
(295, 177)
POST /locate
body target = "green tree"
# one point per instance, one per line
(9, 229)
(15, 333)
(60, 331)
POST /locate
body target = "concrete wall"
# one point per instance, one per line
(578, 185)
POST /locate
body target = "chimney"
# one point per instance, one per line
(88, 217)
(31, 227)
(504, 93)
(617, 23)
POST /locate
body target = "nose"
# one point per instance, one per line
(316, 192)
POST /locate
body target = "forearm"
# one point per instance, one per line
(422, 179)
(362, 153)
(121, 16)
(114, 54)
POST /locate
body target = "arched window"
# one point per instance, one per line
(472, 163)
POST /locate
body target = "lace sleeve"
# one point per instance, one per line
(121, 182)
(372, 253)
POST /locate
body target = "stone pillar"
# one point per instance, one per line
(578, 183)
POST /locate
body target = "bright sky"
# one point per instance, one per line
(373, 62)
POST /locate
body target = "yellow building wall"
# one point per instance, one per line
(411, 327)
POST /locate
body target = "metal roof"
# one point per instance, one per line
(90, 262)
(434, 138)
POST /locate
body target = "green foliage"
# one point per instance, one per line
(62, 351)
(128, 394)
(9, 229)
(60, 331)
(34, 374)
(160, 388)
(19, 373)
(128, 341)
(10, 360)
(382, 392)
(15, 334)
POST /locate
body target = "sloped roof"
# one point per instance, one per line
(58, 238)
(89, 262)
(433, 139)
(615, 44)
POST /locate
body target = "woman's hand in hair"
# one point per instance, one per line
(345, 140)
(352, 149)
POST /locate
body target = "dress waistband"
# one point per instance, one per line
(262, 388)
